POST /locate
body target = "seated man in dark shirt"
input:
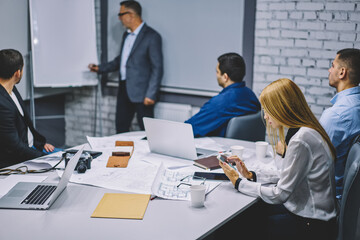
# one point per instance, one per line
(234, 100)
(19, 141)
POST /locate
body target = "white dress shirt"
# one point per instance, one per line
(305, 182)
(16, 101)
(128, 45)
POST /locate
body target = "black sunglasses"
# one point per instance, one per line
(122, 14)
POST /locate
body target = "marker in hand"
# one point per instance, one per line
(93, 67)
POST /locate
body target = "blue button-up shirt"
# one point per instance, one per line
(342, 124)
(128, 45)
(234, 100)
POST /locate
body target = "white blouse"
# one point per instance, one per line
(305, 181)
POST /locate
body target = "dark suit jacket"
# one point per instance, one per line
(14, 147)
(144, 67)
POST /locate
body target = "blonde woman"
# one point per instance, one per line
(302, 195)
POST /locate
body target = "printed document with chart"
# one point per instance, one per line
(166, 184)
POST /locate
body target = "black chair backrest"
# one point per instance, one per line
(249, 127)
(349, 220)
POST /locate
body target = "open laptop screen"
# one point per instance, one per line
(170, 138)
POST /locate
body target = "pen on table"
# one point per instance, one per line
(201, 166)
(153, 197)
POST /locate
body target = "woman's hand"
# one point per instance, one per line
(240, 165)
(231, 173)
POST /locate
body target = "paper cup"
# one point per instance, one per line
(197, 193)
(261, 149)
(237, 151)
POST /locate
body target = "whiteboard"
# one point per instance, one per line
(194, 33)
(63, 42)
(15, 35)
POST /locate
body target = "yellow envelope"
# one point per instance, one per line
(122, 205)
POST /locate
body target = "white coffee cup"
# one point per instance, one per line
(197, 193)
(261, 149)
(237, 151)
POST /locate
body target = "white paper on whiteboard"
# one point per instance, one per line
(63, 42)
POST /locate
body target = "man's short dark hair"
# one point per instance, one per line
(134, 5)
(10, 61)
(351, 58)
(233, 65)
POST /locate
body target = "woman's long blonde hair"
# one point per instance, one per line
(285, 103)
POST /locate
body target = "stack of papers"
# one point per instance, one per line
(143, 175)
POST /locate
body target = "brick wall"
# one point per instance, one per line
(299, 39)
(293, 39)
(80, 115)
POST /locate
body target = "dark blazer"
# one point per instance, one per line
(14, 147)
(144, 67)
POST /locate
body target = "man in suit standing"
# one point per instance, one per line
(19, 141)
(140, 66)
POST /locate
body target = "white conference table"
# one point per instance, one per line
(69, 217)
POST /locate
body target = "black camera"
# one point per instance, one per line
(84, 162)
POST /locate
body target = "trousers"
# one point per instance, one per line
(280, 223)
(125, 110)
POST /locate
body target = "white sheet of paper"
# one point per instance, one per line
(208, 143)
(9, 182)
(136, 178)
(142, 169)
(45, 161)
(101, 142)
(167, 181)
(106, 142)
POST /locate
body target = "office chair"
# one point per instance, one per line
(249, 127)
(349, 220)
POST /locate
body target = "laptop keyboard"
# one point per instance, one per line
(39, 195)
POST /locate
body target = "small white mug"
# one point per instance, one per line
(197, 193)
(237, 151)
(261, 149)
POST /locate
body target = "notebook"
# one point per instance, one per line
(122, 205)
(210, 163)
(173, 139)
(38, 196)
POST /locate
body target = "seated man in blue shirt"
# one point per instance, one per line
(342, 120)
(234, 100)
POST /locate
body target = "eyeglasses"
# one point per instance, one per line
(188, 184)
(25, 170)
(122, 14)
(19, 170)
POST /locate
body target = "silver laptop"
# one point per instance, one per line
(32, 195)
(173, 139)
